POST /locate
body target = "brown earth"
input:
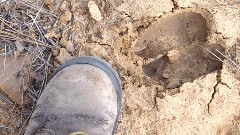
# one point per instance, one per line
(170, 55)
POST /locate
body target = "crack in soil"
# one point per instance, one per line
(218, 77)
(175, 4)
(213, 95)
(219, 81)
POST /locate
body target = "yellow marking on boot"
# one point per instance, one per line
(78, 133)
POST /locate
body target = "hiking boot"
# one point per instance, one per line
(83, 96)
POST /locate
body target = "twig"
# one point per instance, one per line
(215, 55)
(26, 3)
(4, 98)
(33, 40)
(6, 127)
(21, 89)
(4, 2)
(236, 68)
(227, 58)
(4, 61)
(19, 21)
(20, 131)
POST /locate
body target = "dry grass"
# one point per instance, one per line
(22, 29)
(230, 61)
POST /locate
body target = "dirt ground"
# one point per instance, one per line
(178, 61)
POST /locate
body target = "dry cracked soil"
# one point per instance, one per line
(178, 61)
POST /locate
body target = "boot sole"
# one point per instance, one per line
(107, 68)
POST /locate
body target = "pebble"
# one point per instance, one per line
(173, 84)
(63, 56)
(19, 46)
(48, 2)
(94, 11)
(70, 46)
(16, 54)
(165, 75)
(173, 56)
(66, 17)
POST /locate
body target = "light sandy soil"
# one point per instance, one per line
(168, 55)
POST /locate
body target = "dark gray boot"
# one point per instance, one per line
(83, 95)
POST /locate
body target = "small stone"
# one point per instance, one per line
(63, 56)
(55, 52)
(94, 11)
(173, 91)
(10, 84)
(173, 55)
(19, 46)
(48, 2)
(70, 46)
(140, 62)
(173, 84)
(165, 75)
(52, 34)
(63, 41)
(16, 54)
(64, 5)
(149, 60)
(66, 17)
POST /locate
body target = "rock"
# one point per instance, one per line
(173, 55)
(173, 84)
(143, 8)
(55, 52)
(16, 54)
(63, 56)
(63, 41)
(52, 34)
(94, 11)
(19, 46)
(48, 2)
(66, 17)
(64, 5)
(9, 82)
(165, 75)
(70, 46)
(139, 62)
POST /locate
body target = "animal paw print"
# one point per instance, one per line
(176, 50)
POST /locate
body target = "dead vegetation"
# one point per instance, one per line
(23, 27)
